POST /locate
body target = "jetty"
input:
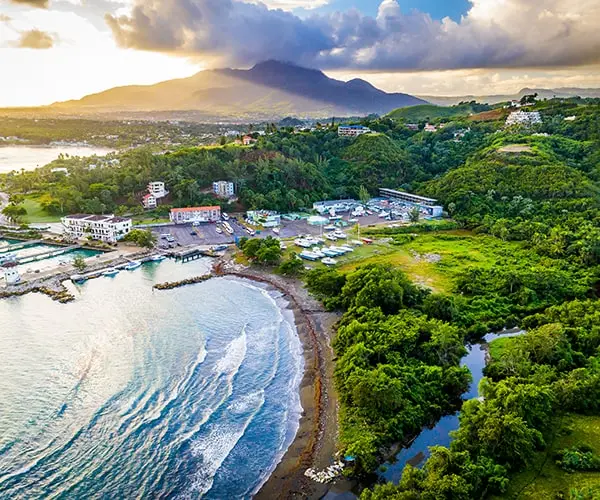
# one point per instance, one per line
(19, 246)
(47, 254)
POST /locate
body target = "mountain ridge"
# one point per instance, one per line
(270, 88)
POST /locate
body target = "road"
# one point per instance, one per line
(3, 203)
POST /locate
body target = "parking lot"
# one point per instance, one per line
(206, 234)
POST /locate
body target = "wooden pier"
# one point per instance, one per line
(194, 253)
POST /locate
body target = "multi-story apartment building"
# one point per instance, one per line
(195, 214)
(106, 228)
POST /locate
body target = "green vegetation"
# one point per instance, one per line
(431, 112)
(79, 263)
(142, 238)
(262, 251)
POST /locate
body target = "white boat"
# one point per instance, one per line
(110, 273)
(276, 230)
(328, 261)
(157, 258)
(300, 242)
(331, 237)
(317, 250)
(329, 253)
(133, 264)
(339, 234)
(225, 216)
(7, 257)
(219, 230)
(347, 248)
(384, 214)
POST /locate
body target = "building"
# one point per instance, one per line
(11, 273)
(60, 170)
(337, 205)
(265, 218)
(224, 189)
(352, 130)
(195, 214)
(149, 201)
(429, 204)
(526, 118)
(157, 189)
(107, 228)
(247, 140)
(430, 128)
(412, 126)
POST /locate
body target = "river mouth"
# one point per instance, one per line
(129, 391)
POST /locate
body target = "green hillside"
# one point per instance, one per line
(431, 112)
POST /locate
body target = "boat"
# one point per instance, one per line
(133, 264)
(330, 227)
(337, 251)
(347, 248)
(7, 257)
(157, 258)
(306, 255)
(110, 273)
(340, 235)
(328, 261)
(331, 237)
(317, 250)
(78, 278)
(276, 230)
(302, 243)
(219, 230)
(357, 243)
(329, 253)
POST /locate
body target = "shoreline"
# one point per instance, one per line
(315, 442)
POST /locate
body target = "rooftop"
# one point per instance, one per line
(195, 209)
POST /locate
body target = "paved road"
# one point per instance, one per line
(3, 203)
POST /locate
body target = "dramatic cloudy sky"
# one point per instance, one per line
(59, 49)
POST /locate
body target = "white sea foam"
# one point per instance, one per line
(215, 445)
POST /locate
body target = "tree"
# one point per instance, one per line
(14, 212)
(292, 266)
(363, 195)
(79, 263)
(414, 215)
(142, 238)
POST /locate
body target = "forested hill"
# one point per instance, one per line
(270, 90)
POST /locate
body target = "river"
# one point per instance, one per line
(32, 157)
(439, 435)
(128, 392)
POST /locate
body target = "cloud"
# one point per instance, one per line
(493, 34)
(35, 39)
(40, 4)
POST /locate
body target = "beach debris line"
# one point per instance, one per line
(177, 284)
(327, 475)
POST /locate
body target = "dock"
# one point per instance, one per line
(19, 246)
(195, 252)
(47, 254)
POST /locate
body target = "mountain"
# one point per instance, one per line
(269, 90)
(562, 92)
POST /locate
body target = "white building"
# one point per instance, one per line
(60, 170)
(430, 128)
(429, 204)
(224, 189)
(157, 189)
(195, 214)
(524, 118)
(352, 130)
(149, 201)
(107, 228)
(11, 274)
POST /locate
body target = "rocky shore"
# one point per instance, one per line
(185, 282)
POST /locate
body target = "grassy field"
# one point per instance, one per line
(434, 259)
(423, 112)
(36, 214)
(545, 480)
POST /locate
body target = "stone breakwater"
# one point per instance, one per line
(185, 282)
(52, 287)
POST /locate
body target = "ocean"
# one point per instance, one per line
(132, 392)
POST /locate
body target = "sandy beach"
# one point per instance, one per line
(315, 442)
